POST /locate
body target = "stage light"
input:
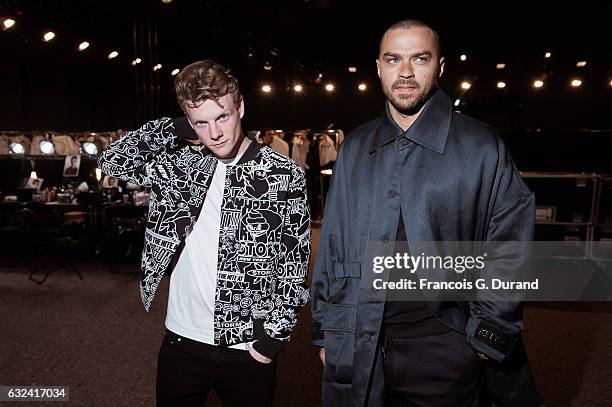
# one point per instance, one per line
(463, 57)
(33, 174)
(266, 89)
(48, 36)
(547, 55)
(457, 102)
(8, 23)
(47, 147)
(581, 64)
(175, 72)
(90, 148)
(538, 83)
(465, 85)
(362, 87)
(352, 69)
(157, 67)
(17, 148)
(166, 1)
(136, 61)
(610, 83)
(500, 66)
(330, 87)
(298, 88)
(113, 55)
(268, 67)
(501, 85)
(576, 83)
(83, 46)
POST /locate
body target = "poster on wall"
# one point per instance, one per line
(34, 183)
(72, 165)
(110, 182)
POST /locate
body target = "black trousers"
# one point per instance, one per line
(188, 370)
(431, 371)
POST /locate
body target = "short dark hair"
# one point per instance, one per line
(407, 24)
(203, 80)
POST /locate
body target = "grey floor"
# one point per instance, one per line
(94, 336)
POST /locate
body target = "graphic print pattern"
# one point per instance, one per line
(264, 242)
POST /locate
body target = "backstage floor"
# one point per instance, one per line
(94, 336)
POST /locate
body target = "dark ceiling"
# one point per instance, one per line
(54, 86)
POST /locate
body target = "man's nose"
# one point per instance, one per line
(215, 131)
(406, 71)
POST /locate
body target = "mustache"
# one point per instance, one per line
(405, 82)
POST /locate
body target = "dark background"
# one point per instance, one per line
(53, 86)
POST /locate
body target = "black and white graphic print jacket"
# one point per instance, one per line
(264, 242)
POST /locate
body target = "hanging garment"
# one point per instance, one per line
(327, 150)
(340, 137)
(280, 146)
(4, 144)
(299, 152)
(65, 145)
(103, 139)
(35, 146)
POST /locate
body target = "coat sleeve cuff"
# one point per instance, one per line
(264, 343)
(268, 346)
(490, 340)
(317, 334)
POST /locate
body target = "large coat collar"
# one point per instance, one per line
(430, 130)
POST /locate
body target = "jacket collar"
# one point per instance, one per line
(430, 130)
(251, 152)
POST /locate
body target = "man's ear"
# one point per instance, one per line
(378, 67)
(241, 108)
(441, 67)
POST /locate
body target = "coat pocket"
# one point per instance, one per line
(339, 339)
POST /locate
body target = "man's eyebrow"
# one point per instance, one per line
(415, 54)
(226, 113)
(422, 54)
(391, 54)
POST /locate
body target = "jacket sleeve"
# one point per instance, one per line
(324, 267)
(496, 319)
(131, 158)
(290, 292)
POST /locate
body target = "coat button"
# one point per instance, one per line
(385, 239)
(366, 338)
(404, 141)
(391, 193)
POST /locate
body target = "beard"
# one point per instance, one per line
(409, 104)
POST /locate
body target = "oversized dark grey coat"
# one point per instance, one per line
(454, 180)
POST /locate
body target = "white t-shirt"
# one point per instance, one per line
(191, 301)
